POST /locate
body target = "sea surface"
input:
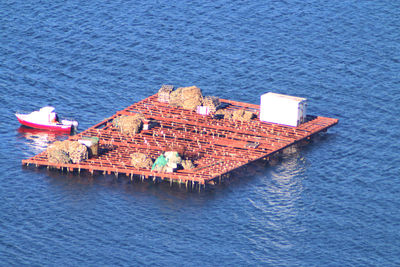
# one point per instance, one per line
(334, 202)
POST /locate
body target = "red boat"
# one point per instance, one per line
(46, 119)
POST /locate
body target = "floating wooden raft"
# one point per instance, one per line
(216, 146)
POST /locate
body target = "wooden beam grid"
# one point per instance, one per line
(216, 146)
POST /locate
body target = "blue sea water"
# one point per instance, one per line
(335, 202)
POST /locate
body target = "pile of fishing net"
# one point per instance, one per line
(165, 92)
(129, 124)
(140, 160)
(187, 164)
(238, 114)
(167, 162)
(186, 97)
(225, 112)
(171, 161)
(242, 115)
(160, 164)
(212, 102)
(67, 152)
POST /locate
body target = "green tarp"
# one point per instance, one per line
(160, 161)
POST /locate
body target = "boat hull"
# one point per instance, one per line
(48, 127)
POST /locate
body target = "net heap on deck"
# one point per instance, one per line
(209, 137)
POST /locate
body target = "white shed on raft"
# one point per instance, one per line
(283, 109)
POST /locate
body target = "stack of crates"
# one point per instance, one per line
(212, 102)
(164, 92)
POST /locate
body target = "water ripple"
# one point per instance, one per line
(333, 202)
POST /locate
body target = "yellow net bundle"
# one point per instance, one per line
(67, 152)
(129, 124)
(186, 97)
